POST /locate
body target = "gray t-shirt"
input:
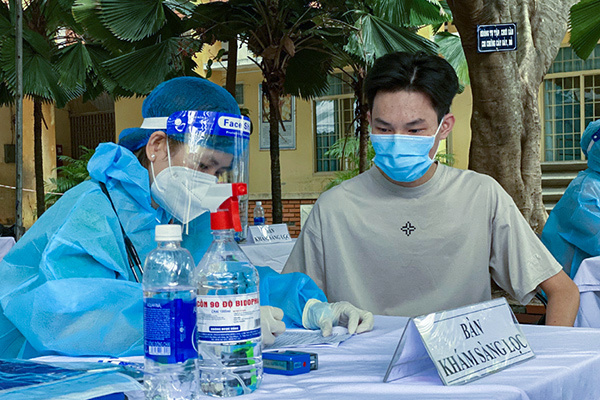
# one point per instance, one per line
(395, 250)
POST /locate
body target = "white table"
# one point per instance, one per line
(587, 280)
(272, 255)
(566, 366)
(6, 243)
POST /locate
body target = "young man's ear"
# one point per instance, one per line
(156, 148)
(447, 126)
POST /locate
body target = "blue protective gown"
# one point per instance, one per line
(572, 231)
(66, 286)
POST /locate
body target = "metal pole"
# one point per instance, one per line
(19, 230)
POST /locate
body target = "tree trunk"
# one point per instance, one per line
(362, 128)
(505, 123)
(38, 157)
(230, 79)
(274, 96)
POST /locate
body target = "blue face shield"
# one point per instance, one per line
(403, 158)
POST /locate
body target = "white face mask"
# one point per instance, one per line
(180, 191)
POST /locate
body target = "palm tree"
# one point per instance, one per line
(585, 27)
(289, 40)
(57, 65)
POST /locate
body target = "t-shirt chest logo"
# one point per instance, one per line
(408, 228)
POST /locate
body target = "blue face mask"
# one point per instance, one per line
(403, 158)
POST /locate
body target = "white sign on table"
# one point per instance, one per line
(6, 243)
(463, 344)
(276, 233)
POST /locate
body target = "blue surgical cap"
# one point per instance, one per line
(592, 132)
(178, 94)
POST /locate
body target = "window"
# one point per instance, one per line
(239, 93)
(571, 102)
(334, 115)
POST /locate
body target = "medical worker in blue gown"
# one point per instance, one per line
(67, 287)
(572, 231)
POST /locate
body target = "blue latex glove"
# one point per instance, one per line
(319, 315)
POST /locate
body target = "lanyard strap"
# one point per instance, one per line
(132, 255)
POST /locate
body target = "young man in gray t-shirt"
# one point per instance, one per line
(411, 236)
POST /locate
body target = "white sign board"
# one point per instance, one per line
(277, 233)
(498, 37)
(463, 344)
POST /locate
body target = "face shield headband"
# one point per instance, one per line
(197, 127)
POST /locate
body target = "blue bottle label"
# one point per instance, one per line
(259, 220)
(169, 330)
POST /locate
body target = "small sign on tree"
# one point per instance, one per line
(500, 37)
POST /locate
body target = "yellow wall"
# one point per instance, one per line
(49, 157)
(128, 114)
(63, 130)
(460, 138)
(7, 171)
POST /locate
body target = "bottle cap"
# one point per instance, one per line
(168, 233)
(259, 203)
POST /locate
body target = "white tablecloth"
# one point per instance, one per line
(272, 255)
(566, 366)
(587, 279)
(6, 243)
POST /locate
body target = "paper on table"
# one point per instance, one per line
(304, 337)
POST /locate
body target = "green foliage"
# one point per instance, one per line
(411, 12)
(72, 173)
(290, 38)
(445, 158)
(376, 37)
(134, 19)
(585, 27)
(45, 23)
(452, 51)
(346, 150)
(149, 41)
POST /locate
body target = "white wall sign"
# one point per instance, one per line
(287, 137)
(276, 233)
(463, 344)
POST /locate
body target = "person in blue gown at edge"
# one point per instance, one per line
(572, 231)
(66, 286)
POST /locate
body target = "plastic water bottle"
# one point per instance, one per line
(259, 214)
(228, 309)
(169, 319)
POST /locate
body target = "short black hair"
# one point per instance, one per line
(419, 72)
